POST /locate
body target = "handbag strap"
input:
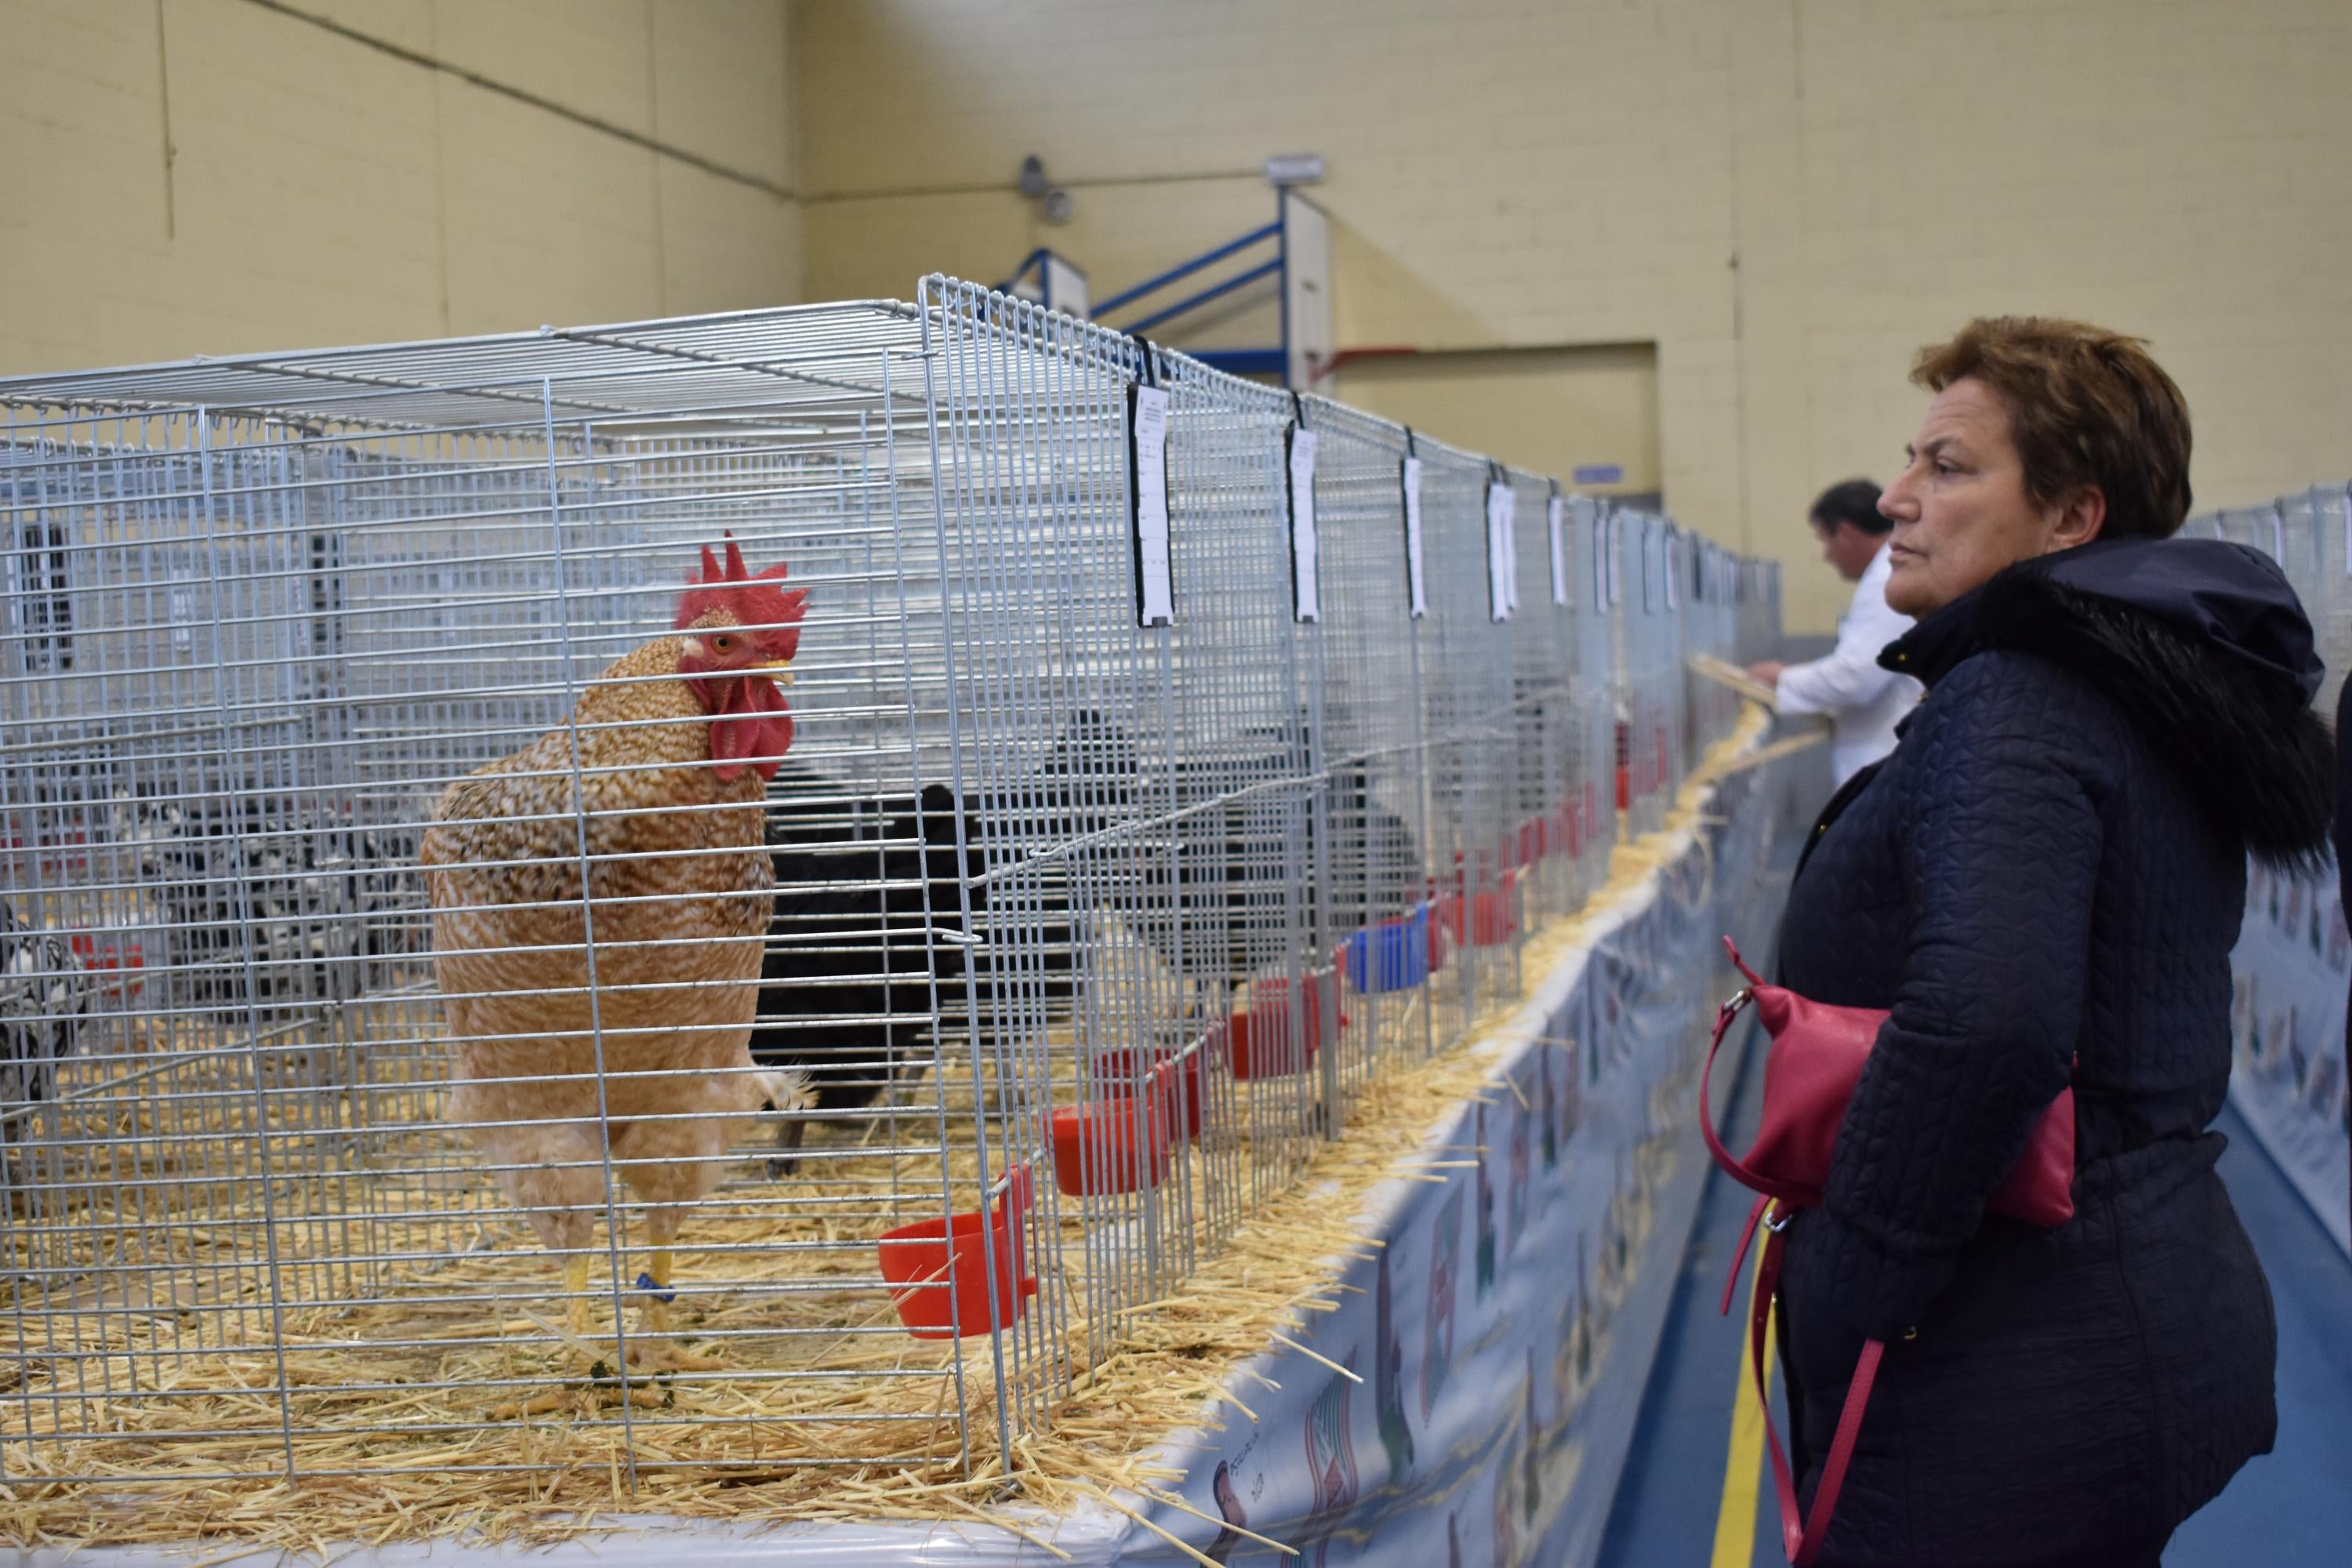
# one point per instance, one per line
(1787, 1192)
(1801, 1535)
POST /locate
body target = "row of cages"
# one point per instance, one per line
(409, 1027)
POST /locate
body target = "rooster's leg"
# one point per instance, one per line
(575, 1292)
(654, 1346)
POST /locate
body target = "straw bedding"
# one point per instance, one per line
(399, 1404)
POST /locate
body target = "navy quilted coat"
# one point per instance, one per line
(2048, 874)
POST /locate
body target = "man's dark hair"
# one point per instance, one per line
(1854, 501)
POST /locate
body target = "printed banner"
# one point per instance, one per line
(1504, 1331)
(2290, 975)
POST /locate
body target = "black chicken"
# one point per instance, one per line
(869, 920)
(45, 996)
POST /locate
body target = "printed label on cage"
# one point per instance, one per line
(1501, 503)
(1155, 590)
(1306, 596)
(1557, 520)
(1416, 582)
(1511, 549)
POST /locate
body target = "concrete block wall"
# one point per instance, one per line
(1788, 198)
(218, 177)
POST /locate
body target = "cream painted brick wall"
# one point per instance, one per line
(1788, 196)
(325, 191)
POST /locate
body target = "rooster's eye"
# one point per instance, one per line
(722, 644)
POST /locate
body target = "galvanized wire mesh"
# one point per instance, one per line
(1376, 728)
(1082, 935)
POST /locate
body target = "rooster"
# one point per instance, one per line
(630, 1050)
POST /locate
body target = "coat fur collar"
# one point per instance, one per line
(2238, 732)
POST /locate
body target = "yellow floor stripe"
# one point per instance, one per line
(1743, 1468)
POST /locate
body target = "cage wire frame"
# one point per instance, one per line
(470, 468)
(1649, 732)
(1473, 746)
(1543, 673)
(1376, 723)
(1594, 827)
(1034, 858)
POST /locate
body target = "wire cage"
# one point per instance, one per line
(1472, 742)
(1652, 690)
(1710, 612)
(436, 998)
(1552, 760)
(1375, 723)
(1595, 590)
(308, 598)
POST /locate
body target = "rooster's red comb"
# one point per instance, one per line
(754, 601)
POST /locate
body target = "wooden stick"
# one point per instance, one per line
(1731, 675)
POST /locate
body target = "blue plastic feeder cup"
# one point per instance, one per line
(1390, 956)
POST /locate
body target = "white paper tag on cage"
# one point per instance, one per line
(1415, 578)
(1601, 562)
(1155, 592)
(182, 603)
(1511, 547)
(1667, 549)
(1499, 502)
(1616, 531)
(1556, 518)
(1306, 593)
(2278, 534)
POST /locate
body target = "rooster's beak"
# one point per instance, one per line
(779, 670)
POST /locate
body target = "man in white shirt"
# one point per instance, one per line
(1863, 702)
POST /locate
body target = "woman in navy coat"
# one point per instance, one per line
(2043, 884)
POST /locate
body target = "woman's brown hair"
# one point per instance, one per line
(2086, 407)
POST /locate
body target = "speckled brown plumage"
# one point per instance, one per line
(682, 887)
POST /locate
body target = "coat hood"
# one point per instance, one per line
(2200, 643)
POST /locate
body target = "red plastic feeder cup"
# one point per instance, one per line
(1485, 919)
(1262, 1041)
(1182, 1082)
(937, 1269)
(1178, 1080)
(1113, 1145)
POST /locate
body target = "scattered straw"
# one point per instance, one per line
(784, 1446)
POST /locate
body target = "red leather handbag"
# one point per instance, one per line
(1810, 1072)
